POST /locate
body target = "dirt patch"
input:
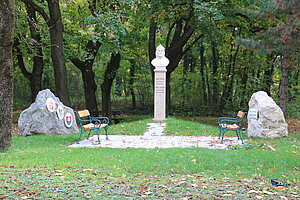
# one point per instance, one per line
(294, 125)
(15, 129)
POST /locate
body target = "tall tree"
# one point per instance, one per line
(55, 25)
(286, 36)
(105, 29)
(34, 77)
(281, 37)
(91, 49)
(88, 75)
(179, 34)
(6, 72)
(228, 88)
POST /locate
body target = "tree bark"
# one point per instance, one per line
(34, 85)
(151, 48)
(57, 52)
(175, 50)
(55, 25)
(34, 77)
(6, 72)
(38, 60)
(268, 75)
(202, 66)
(131, 84)
(244, 80)
(88, 75)
(284, 82)
(109, 75)
(214, 80)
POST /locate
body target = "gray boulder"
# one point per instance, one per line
(269, 121)
(47, 115)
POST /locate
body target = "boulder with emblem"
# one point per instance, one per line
(47, 115)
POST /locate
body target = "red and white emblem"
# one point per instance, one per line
(68, 120)
(51, 106)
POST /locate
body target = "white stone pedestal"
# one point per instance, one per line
(160, 63)
(160, 94)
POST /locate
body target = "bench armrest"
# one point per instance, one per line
(227, 117)
(101, 120)
(222, 119)
(231, 121)
(84, 120)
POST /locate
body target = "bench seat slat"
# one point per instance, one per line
(91, 125)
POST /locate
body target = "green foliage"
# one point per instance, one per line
(293, 109)
(22, 98)
(221, 80)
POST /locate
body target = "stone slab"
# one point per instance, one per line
(154, 138)
(140, 141)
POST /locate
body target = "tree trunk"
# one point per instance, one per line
(268, 75)
(90, 87)
(151, 48)
(34, 77)
(109, 75)
(88, 75)
(244, 79)
(20, 60)
(175, 51)
(38, 62)
(6, 72)
(284, 82)
(54, 23)
(295, 84)
(131, 84)
(214, 79)
(202, 66)
(57, 53)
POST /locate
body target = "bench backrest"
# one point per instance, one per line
(240, 117)
(241, 114)
(83, 113)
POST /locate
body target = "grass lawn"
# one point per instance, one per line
(43, 167)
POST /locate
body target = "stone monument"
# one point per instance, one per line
(160, 63)
(47, 115)
(265, 117)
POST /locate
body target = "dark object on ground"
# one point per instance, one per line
(277, 183)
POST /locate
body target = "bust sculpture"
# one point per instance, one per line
(160, 62)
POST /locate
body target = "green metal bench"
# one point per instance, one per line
(87, 123)
(231, 124)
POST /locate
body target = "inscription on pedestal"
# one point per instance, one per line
(160, 96)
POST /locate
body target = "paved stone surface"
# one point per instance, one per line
(154, 138)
